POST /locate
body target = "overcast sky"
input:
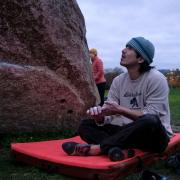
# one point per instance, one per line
(110, 24)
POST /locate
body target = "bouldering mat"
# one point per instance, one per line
(48, 155)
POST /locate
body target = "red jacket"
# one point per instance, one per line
(98, 70)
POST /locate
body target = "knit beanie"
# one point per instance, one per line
(144, 47)
(93, 51)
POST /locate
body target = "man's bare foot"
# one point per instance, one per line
(95, 150)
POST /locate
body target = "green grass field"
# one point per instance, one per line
(174, 101)
(13, 171)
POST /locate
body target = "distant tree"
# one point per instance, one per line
(110, 74)
(165, 71)
(118, 70)
(173, 78)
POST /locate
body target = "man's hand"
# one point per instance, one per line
(96, 113)
(111, 108)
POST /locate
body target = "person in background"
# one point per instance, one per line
(98, 73)
(136, 113)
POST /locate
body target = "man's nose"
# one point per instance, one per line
(124, 50)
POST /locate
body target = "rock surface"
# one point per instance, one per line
(46, 80)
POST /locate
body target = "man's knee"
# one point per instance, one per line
(84, 124)
(87, 122)
(150, 120)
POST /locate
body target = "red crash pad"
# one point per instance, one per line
(49, 155)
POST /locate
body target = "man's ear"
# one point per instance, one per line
(141, 60)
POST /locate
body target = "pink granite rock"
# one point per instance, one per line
(46, 81)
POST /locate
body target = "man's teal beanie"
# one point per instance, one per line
(144, 47)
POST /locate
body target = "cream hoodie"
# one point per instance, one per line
(148, 93)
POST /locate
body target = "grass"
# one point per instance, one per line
(174, 101)
(13, 171)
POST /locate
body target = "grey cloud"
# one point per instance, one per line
(110, 24)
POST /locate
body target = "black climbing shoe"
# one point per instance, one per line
(76, 149)
(117, 154)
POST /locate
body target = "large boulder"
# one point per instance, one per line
(46, 80)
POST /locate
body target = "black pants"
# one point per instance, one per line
(146, 133)
(101, 90)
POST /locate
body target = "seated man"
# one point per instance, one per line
(136, 113)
